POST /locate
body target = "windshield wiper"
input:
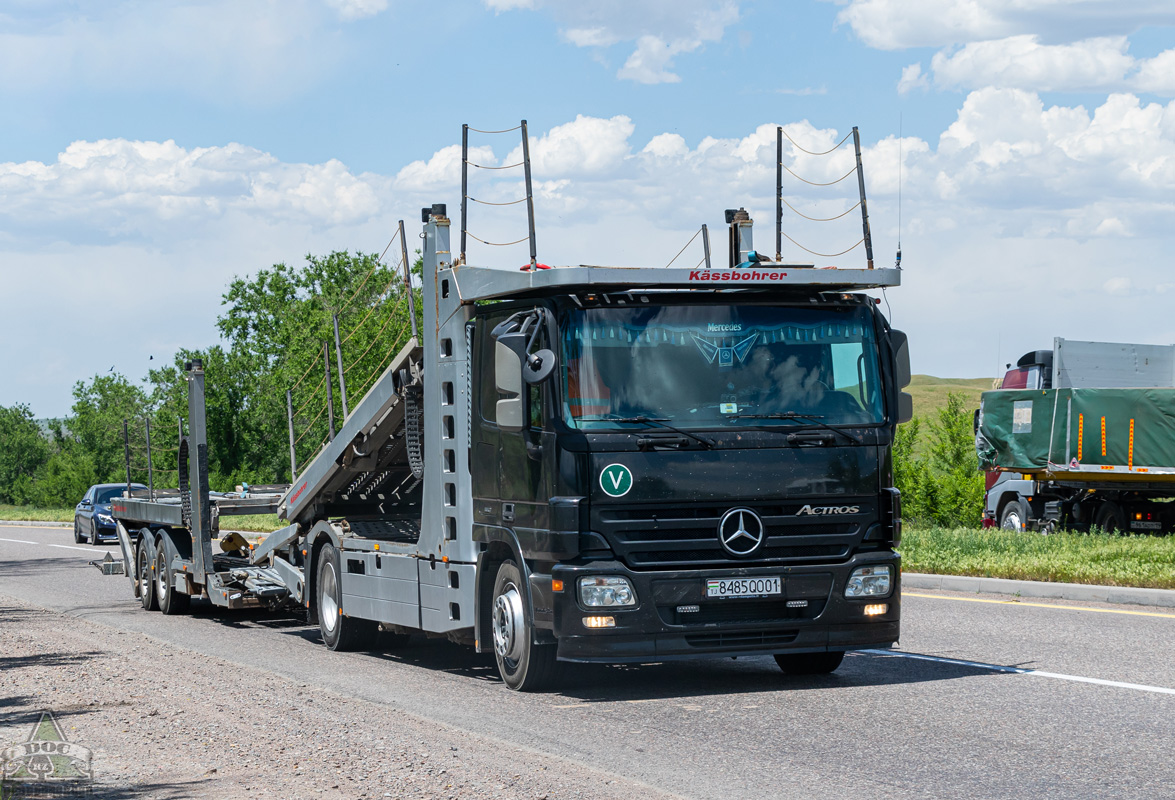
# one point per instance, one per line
(653, 421)
(814, 419)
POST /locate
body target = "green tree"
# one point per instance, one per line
(100, 407)
(955, 466)
(23, 450)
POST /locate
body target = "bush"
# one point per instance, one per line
(944, 487)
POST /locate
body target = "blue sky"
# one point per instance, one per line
(150, 151)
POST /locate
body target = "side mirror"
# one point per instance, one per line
(905, 407)
(508, 378)
(901, 358)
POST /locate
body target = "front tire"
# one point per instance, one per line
(523, 665)
(77, 532)
(143, 564)
(809, 663)
(339, 632)
(1013, 517)
(171, 600)
(95, 540)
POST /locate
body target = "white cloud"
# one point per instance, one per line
(898, 24)
(587, 146)
(358, 9)
(912, 78)
(659, 29)
(114, 188)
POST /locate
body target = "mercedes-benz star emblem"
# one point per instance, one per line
(741, 532)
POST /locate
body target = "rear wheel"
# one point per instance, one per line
(171, 600)
(143, 565)
(523, 665)
(1110, 517)
(809, 663)
(339, 632)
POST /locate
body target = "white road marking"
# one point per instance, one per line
(1138, 687)
(62, 546)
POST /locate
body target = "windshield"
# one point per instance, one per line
(109, 493)
(719, 366)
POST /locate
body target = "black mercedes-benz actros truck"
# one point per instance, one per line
(591, 464)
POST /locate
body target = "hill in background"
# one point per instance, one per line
(930, 393)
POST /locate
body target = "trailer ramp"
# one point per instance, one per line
(371, 466)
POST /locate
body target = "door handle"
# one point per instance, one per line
(507, 512)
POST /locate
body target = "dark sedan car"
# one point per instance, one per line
(91, 518)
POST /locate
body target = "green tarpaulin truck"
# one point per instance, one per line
(1082, 436)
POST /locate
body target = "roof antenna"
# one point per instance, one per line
(898, 262)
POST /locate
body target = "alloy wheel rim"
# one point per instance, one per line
(508, 624)
(330, 601)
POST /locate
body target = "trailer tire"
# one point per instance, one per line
(1110, 518)
(144, 562)
(523, 665)
(1013, 517)
(171, 600)
(339, 632)
(809, 663)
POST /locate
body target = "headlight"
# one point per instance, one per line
(870, 582)
(106, 518)
(612, 591)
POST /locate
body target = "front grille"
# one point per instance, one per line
(745, 639)
(734, 611)
(685, 537)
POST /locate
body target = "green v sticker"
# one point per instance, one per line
(616, 480)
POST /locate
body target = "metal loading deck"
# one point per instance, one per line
(373, 466)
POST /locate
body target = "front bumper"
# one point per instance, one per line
(656, 629)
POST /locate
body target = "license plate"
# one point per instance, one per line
(1145, 526)
(744, 587)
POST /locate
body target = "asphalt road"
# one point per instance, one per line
(946, 716)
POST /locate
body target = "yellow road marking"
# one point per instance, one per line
(1039, 605)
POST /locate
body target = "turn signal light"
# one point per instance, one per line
(873, 609)
(556, 586)
(599, 622)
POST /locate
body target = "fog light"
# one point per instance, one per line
(599, 622)
(606, 590)
(873, 609)
(870, 582)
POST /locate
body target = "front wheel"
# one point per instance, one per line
(95, 540)
(1012, 519)
(523, 665)
(809, 663)
(77, 532)
(339, 632)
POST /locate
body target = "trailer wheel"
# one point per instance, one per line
(143, 565)
(339, 632)
(1013, 517)
(809, 663)
(523, 665)
(171, 600)
(1110, 518)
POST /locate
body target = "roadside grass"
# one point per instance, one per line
(30, 514)
(1092, 558)
(263, 523)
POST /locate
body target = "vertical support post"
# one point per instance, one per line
(706, 243)
(290, 419)
(779, 193)
(201, 515)
(864, 210)
(408, 271)
(464, 188)
(330, 395)
(339, 359)
(150, 469)
(126, 451)
(529, 195)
